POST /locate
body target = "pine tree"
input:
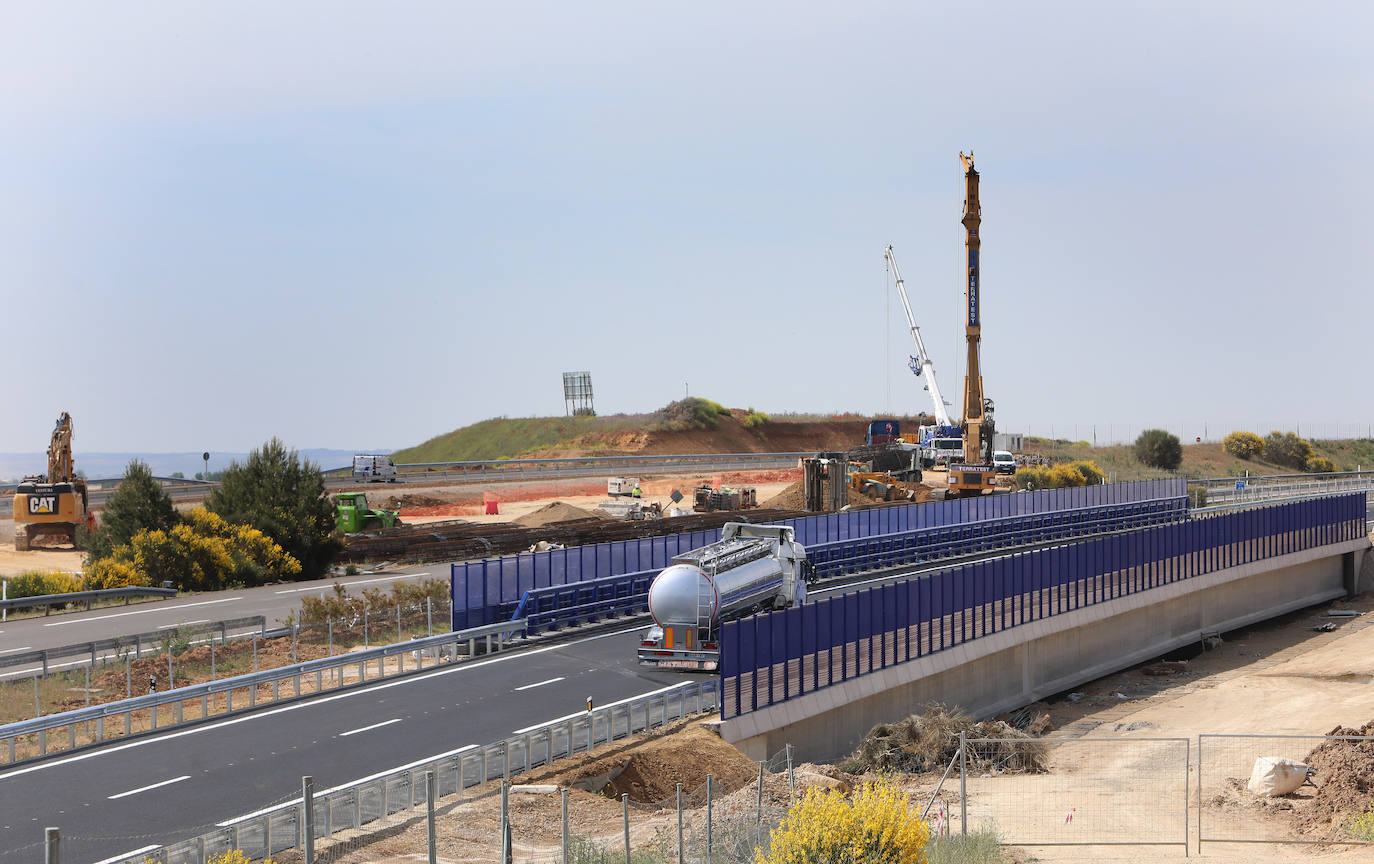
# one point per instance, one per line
(139, 503)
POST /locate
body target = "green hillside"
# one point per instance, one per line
(510, 437)
(1199, 460)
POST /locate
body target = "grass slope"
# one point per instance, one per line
(509, 437)
(1199, 460)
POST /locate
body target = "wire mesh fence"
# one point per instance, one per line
(1245, 795)
(1072, 791)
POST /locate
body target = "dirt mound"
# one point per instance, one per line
(1345, 783)
(410, 501)
(927, 742)
(554, 512)
(650, 770)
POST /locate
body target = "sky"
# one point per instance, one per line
(360, 225)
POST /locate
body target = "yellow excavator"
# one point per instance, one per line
(52, 504)
(976, 474)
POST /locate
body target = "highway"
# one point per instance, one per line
(273, 602)
(164, 787)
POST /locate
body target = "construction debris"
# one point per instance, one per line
(927, 742)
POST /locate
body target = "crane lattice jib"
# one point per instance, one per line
(922, 358)
(973, 380)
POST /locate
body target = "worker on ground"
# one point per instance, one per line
(636, 493)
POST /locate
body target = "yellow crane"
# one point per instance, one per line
(52, 504)
(976, 473)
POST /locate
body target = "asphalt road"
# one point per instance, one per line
(274, 602)
(164, 787)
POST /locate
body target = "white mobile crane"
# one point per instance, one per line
(944, 442)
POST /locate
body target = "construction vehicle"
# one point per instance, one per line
(621, 486)
(943, 441)
(974, 474)
(708, 499)
(352, 515)
(751, 568)
(51, 504)
(374, 469)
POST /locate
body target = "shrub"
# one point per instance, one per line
(1362, 826)
(283, 496)
(1197, 495)
(1064, 476)
(1243, 445)
(754, 419)
(139, 504)
(1092, 475)
(1320, 465)
(1288, 450)
(204, 553)
(1079, 473)
(36, 583)
(1158, 448)
(875, 825)
(981, 846)
(109, 573)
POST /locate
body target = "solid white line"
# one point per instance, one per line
(430, 760)
(615, 704)
(131, 853)
(369, 728)
(15, 650)
(356, 582)
(538, 684)
(310, 703)
(182, 624)
(141, 612)
(150, 786)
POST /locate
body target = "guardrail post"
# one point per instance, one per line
(564, 792)
(429, 615)
(710, 796)
(308, 818)
(625, 814)
(52, 838)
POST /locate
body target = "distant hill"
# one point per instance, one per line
(687, 426)
(14, 466)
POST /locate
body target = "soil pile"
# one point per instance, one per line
(554, 512)
(927, 742)
(657, 765)
(1345, 784)
(410, 501)
(792, 498)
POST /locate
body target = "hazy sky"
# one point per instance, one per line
(364, 224)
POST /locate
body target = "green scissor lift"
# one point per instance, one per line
(351, 514)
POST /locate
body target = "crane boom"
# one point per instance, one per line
(921, 364)
(973, 379)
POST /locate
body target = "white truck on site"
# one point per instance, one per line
(374, 469)
(752, 568)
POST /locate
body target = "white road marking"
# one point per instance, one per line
(321, 700)
(150, 786)
(583, 713)
(538, 684)
(15, 650)
(142, 612)
(127, 855)
(182, 624)
(356, 582)
(369, 728)
(427, 761)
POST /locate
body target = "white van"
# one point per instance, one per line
(374, 469)
(1004, 462)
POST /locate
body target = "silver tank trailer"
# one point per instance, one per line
(751, 566)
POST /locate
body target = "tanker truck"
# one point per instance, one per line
(752, 568)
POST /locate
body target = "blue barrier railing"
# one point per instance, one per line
(566, 604)
(831, 640)
(487, 590)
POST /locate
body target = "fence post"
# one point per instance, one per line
(429, 615)
(431, 792)
(36, 711)
(710, 795)
(308, 818)
(171, 674)
(398, 622)
(255, 658)
(212, 658)
(52, 838)
(758, 813)
(679, 823)
(564, 859)
(505, 822)
(128, 678)
(365, 629)
(625, 811)
(963, 781)
(1187, 767)
(791, 779)
(295, 630)
(331, 637)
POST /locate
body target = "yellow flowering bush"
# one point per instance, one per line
(37, 583)
(875, 826)
(202, 553)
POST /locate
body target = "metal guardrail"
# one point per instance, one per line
(138, 642)
(353, 805)
(431, 647)
(88, 596)
(579, 466)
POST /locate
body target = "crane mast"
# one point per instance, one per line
(921, 364)
(973, 380)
